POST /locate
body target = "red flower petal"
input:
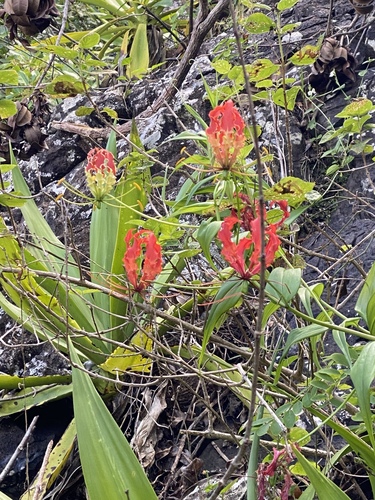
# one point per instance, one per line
(225, 133)
(100, 160)
(234, 253)
(152, 264)
(142, 269)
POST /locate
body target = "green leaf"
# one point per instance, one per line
(324, 487)
(8, 77)
(109, 465)
(362, 374)
(283, 284)
(6, 167)
(13, 199)
(14, 382)
(268, 311)
(299, 334)
(259, 23)
(357, 444)
(30, 397)
(89, 41)
(61, 51)
(139, 53)
(205, 235)
(84, 110)
(367, 292)
(286, 4)
(7, 108)
(117, 8)
(286, 98)
(110, 112)
(299, 435)
(370, 313)
(130, 197)
(288, 28)
(228, 297)
(306, 293)
(221, 66)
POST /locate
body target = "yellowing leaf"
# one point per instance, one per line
(358, 107)
(291, 189)
(305, 55)
(123, 359)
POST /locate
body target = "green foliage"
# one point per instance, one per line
(102, 446)
(116, 328)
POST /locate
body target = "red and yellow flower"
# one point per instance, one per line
(226, 134)
(100, 172)
(142, 259)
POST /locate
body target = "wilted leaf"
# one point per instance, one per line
(123, 359)
(261, 69)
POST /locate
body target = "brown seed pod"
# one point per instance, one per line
(332, 56)
(363, 6)
(17, 7)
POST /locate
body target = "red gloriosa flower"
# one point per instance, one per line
(100, 160)
(142, 260)
(225, 133)
(100, 172)
(235, 253)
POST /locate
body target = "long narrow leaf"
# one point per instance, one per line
(362, 374)
(109, 465)
(368, 291)
(324, 487)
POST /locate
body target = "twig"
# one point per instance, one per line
(214, 434)
(18, 450)
(39, 485)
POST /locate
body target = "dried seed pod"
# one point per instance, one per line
(30, 16)
(332, 56)
(33, 7)
(17, 7)
(363, 6)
